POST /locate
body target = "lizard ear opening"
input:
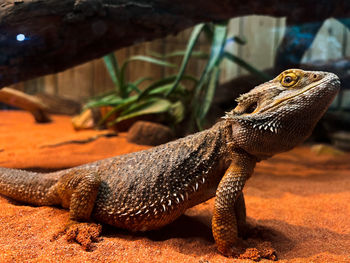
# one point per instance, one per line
(251, 108)
(245, 108)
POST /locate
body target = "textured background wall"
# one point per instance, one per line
(263, 35)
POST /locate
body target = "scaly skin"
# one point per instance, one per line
(149, 189)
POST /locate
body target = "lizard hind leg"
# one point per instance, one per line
(78, 190)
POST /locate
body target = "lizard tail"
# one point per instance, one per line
(28, 187)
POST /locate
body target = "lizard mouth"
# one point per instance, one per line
(303, 91)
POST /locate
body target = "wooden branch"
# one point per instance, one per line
(39, 37)
(26, 102)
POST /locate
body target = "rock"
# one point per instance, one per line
(149, 133)
(322, 149)
(85, 120)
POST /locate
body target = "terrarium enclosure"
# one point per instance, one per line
(265, 43)
(101, 79)
(263, 35)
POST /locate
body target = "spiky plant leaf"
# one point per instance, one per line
(209, 94)
(149, 106)
(113, 70)
(190, 46)
(247, 66)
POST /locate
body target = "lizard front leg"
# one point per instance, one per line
(240, 212)
(229, 210)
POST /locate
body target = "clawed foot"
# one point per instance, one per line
(262, 251)
(84, 234)
(248, 250)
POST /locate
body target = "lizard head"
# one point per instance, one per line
(279, 114)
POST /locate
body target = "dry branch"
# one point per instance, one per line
(26, 102)
(63, 33)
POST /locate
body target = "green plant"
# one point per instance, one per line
(208, 81)
(128, 101)
(167, 94)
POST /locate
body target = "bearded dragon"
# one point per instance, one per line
(148, 189)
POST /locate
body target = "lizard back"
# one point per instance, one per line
(148, 189)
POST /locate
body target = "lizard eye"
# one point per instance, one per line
(289, 80)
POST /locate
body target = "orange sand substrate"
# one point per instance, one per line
(299, 202)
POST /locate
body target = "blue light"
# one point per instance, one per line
(20, 37)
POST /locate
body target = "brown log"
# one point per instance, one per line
(40, 105)
(26, 102)
(59, 105)
(59, 34)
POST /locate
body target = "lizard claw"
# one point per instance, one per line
(257, 254)
(261, 251)
(84, 234)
